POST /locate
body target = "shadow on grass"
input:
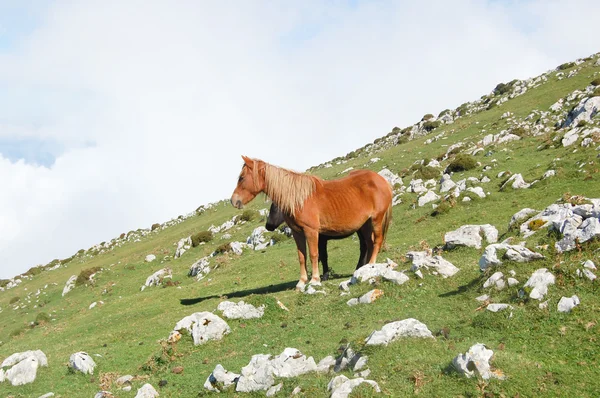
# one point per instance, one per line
(280, 287)
(461, 289)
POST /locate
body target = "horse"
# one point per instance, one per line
(275, 219)
(361, 201)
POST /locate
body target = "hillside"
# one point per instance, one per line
(526, 144)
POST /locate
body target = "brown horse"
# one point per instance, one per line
(361, 201)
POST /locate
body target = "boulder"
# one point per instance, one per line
(446, 183)
(424, 260)
(150, 258)
(516, 253)
(220, 379)
(366, 298)
(392, 178)
(548, 174)
(183, 245)
(429, 197)
(521, 215)
(416, 186)
(570, 138)
(584, 111)
(538, 283)
(587, 230)
(240, 310)
(156, 278)
(23, 371)
(200, 268)
(82, 362)
(368, 273)
(392, 331)
(477, 361)
(566, 304)
(496, 280)
(274, 390)
(69, 285)
(256, 240)
(477, 191)
(292, 363)
(341, 386)
(257, 375)
(147, 391)
(203, 327)
(471, 236)
(516, 181)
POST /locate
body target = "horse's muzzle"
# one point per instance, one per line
(237, 203)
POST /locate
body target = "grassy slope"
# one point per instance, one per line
(541, 351)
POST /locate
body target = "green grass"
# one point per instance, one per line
(542, 352)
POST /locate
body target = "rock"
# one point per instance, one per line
(521, 215)
(292, 363)
(584, 111)
(220, 379)
(548, 174)
(589, 274)
(257, 375)
(570, 138)
(424, 260)
(539, 282)
(589, 264)
(150, 258)
(23, 369)
(470, 235)
(310, 289)
(94, 304)
(587, 142)
(240, 310)
(543, 305)
(416, 186)
(476, 361)
(485, 179)
(498, 307)
(482, 298)
(21, 356)
(147, 391)
(516, 182)
(82, 362)
(429, 197)
(446, 183)
(341, 386)
(256, 240)
(392, 178)
(48, 395)
(566, 304)
(123, 380)
(203, 326)
(297, 390)
(496, 280)
(368, 273)
(466, 199)
(274, 390)
(236, 247)
(512, 282)
(183, 245)
(69, 285)
(392, 331)
(104, 394)
(366, 298)
(200, 268)
(156, 278)
(513, 252)
(477, 191)
(557, 106)
(326, 364)
(587, 230)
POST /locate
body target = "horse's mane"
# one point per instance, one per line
(287, 189)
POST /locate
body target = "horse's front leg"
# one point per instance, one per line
(301, 245)
(312, 238)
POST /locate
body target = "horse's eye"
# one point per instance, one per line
(240, 179)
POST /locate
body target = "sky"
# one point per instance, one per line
(118, 114)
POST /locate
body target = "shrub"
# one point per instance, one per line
(582, 123)
(4, 282)
(462, 162)
(224, 248)
(122, 236)
(33, 271)
(596, 92)
(155, 226)
(595, 82)
(444, 112)
(200, 237)
(520, 131)
(403, 139)
(17, 332)
(14, 300)
(502, 88)
(396, 130)
(277, 238)
(427, 117)
(42, 318)
(84, 275)
(444, 206)
(462, 110)
(249, 215)
(427, 172)
(566, 65)
(534, 225)
(455, 150)
(431, 125)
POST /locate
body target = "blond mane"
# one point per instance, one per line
(287, 189)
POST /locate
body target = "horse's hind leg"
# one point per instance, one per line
(377, 223)
(366, 235)
(301, 245)
(362, 257)
(323, 256)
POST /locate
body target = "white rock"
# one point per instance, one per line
(82, 362)
(587, 230)
(477, 191)
(366, 298)
(124, 380)
(156, 278)
(48, 395)
(566, 304)
(513, 252)
(476, 360)
(482, 298)
(446, 183)
(392, 178)
(220, 379)
(257, 375)
(183, 245)
(257, 239)
(512, 282)
(147, 391)
(292, 363)
(548, 174)
(150, 258)
(570, 138)
(516, 182)
(543, 305)
(94, 304)
(341, 387)
(498, 307)
(429, 197)
(21, 356)
(589, 264)
(203, 326)
(584, 111)
(589, 274)
(539, 282)
(368, 273)
(495, 280)
(236, 247)
(241, 310)
(326, 364)
(392, 331)
(416, 186)
(24, 372)
(470, 235)
(424, 260)
(557, 106)
(69, 285)
(521, 215)
(485, 179)
(200, 268)
(274, 390)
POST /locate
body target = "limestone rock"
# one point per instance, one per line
(274, 390)
(429, 197)
(341, 386)
(368, 273)
(200, 268)
(584, 111)
(147, 391)
(203, 326)
(516, 181)
(392, 178)
(496, 280)
(470, 235)
(516, 253)
(156, 278)
(476, 361)
(446, 183)
(257, 375)
(498, 307)
(392, 331)
(240, 310)
(69, 285)
(566, 304)
(150, 258)
(538, 283)
(82, 362)
(521, 215)
(424, 260)
(292, 363)
(220, 379)
(366, 298)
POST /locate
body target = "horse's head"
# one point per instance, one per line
(251, 182)
(275, 218)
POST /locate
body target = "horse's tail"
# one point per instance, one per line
(387, 218)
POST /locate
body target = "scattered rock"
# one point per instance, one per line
(257, 375)
(69, 285)
(477, 191)
(156, 278)
(584, 111)
(587, 230)
(24, 366)
(200, 268)
(516, 253)
(496, 280)
(292, 363)
(326, 364)
(477, 361)
(516, 181)
(521, 215)
(392, 331)
(274, 390)
(183, 245)
(482, 298)
(470, 235)
(150, 258)
(446, 183)
(82, 362)
(368, 273)
(498, 307)
(392, 178)
(147, 391)
(203, 326)
(589, 264)
(548, 174)
(240, 310)
(538, 283)
(47, 395)
(220, 379)
(366, 298)
(430, 196)
(424, 260)
(341, 386)
(566, 304)
(124, 380)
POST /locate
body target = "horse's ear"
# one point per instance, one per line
(249, 162)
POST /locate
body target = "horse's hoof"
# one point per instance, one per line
(300, 286)
(325, 276)
(315, 282)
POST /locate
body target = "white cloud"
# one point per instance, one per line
(155, 101)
